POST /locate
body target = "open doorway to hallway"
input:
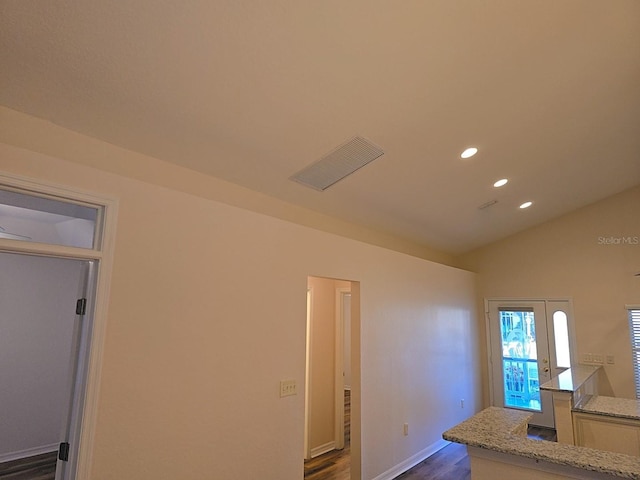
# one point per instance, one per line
(43, 335)
(329, 379)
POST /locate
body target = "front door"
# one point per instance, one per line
(519, 358)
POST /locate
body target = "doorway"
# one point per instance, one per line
(69, 230)
(40, 346)
(330, 377)
(529, 343)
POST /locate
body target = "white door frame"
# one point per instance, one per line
(339, 367)
(84, 421)
(307, 379)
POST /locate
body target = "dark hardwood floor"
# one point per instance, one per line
(541, 433)
(39, 467)
(334, 465)
(450, 463)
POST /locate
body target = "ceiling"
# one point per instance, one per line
(253, 92)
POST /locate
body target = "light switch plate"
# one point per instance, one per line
(288, 387)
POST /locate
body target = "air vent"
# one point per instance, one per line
(338, 164)
(490, 203)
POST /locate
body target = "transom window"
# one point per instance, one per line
(50, 220)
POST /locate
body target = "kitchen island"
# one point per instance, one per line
(498, 447)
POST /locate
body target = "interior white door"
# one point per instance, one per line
(78, 362)
(519, 358)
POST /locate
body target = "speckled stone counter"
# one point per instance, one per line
(570, 380)
(610, 407)
(504, 431)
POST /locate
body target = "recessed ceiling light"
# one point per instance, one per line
(500, 183)
(469, 152)
(526, 205)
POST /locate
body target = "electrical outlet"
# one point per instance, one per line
(611, 360)
(288, 387)
(598, 359)
(587, 358)
(462, 403)
(405, 429)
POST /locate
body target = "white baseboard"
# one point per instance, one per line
(29, 452)
(412, 461)
(322, 449)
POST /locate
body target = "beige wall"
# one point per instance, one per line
(207, 315)
(321, 421)
(570, 257)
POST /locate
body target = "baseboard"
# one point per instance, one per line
(412, 461)
(29, 452)
(322, 449)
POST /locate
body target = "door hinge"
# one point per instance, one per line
(63, 452)
(81, 306)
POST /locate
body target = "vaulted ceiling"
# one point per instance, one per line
(252, 92)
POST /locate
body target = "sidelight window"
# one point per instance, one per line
(561, 339)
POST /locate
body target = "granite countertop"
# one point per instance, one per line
(503, 430)
(570, 380)
(610, 407)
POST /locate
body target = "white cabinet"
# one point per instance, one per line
(608, 433)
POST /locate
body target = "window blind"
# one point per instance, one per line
(634, 328)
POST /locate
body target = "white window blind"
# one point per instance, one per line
(634, 328)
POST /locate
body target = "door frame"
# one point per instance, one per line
(356, 378)
(307, 376)
(339, 367)
(549, 327)
(84, 417)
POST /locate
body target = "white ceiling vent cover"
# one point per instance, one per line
(343, 161)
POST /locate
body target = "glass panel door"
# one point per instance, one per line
(520, 358)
